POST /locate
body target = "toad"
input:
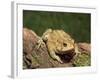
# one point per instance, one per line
(59, 42)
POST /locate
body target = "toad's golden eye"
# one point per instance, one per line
(64, 44)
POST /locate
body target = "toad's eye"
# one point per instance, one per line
(64, 44)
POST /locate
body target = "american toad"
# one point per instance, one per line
(58, 42)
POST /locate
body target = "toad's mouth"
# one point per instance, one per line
(66, 52)
(66, 56)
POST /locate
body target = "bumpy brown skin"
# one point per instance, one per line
(58, 41)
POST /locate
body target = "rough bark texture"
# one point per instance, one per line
(34, 57)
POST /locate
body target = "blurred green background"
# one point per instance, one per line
(78, 25)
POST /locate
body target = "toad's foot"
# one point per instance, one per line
(40, 42)
(55, 57)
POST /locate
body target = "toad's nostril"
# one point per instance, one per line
(64, 44)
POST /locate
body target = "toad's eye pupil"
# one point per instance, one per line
(64, 44)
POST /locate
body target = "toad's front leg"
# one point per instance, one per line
(55, 57)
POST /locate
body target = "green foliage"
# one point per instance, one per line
(76, 24)
(82, 60)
